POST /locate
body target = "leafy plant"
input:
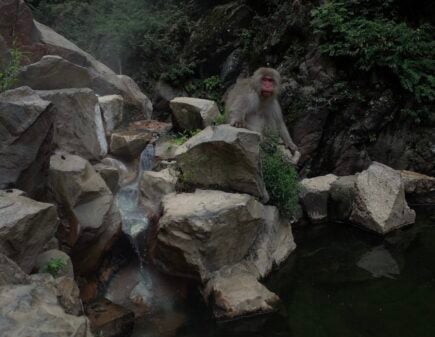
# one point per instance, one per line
(54, 266)
(368, 34)
(184, 136)
(9, 72)
(220, 119)
(280, 177)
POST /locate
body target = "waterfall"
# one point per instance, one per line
(134, 219)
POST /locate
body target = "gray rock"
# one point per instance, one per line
(104, 80)
(419, 188)
(38, 314)
(10, 273)
(224, 158)
(129, 144)
(341, 197)
(25, 227)
(110, 175)
(26, 123)
(78, 122)
(380, 203)
(53, 72)
(154, 186)
(193, 113)
(112, 107)
(43, 260)
(89, 208)
(235, 293)
(163, 94)
(314, 195)
(201, 232)
(12, 192)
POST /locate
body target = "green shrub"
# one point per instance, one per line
(9, 72)
(280, 177)
(368, 34)
(184, 136)
(54, 266)
(220, 119)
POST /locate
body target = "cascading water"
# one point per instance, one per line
(134, 219)
(135, 222)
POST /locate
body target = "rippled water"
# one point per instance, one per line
(341, 282)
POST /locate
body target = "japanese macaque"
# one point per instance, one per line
(253, 104)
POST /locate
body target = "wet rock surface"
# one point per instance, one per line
(129, 144)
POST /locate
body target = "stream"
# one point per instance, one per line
(340, 282)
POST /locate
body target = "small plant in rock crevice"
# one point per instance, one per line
(280, 177)
(54, 266)
(9, 72)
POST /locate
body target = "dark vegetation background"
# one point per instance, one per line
(359, 75)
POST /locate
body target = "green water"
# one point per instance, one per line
(341, 282)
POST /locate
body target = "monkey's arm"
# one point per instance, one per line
(236, 111)
(283, 132)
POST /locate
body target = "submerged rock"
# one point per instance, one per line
(193, 113)
(26, 125)
(314, 196)
(380, 203)
(25, 227)
(379, 263)
(224, 158)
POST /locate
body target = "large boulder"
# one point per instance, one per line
(87, 206)
(10, 273)
(45, 259)
(220, 239)
(193, 113)
(162, 96)
(26, 132)
(314, 195)
(25, 227)
(78, 122)
(201, 232)
(224, 158)
(36, 40)
(380, 203)
(112, 107)
(53, 72)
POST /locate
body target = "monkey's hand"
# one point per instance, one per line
(238, 124)
(296, 157)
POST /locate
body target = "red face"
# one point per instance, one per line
(267, 86)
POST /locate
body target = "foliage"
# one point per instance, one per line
(209, 88)
(280, 177)
(54, 266)
(220, 119)
(184, 136)
(367, 33)
(9, 72)
(141, 38)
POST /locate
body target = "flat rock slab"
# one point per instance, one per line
(129, 144)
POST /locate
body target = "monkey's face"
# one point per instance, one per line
(267, 86)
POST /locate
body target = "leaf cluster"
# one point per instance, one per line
(280, 177)
(9, 71)
(368, 34)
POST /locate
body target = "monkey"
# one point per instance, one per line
(253, 104)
